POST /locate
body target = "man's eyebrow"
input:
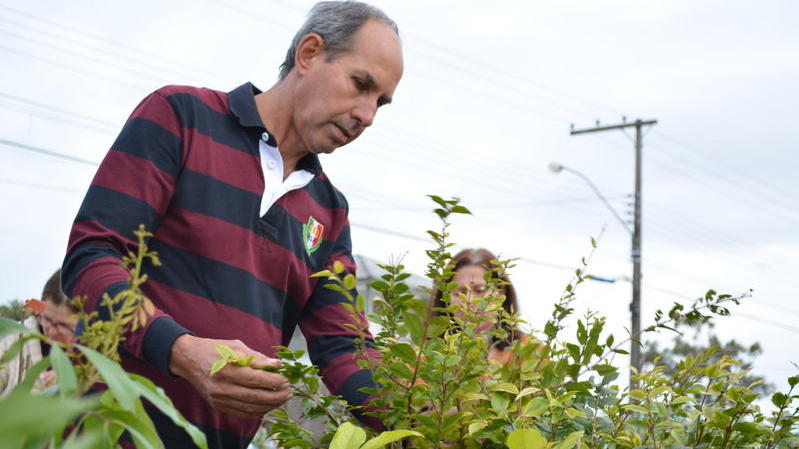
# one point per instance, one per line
(372, 84)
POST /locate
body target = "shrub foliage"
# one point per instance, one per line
(555, 389)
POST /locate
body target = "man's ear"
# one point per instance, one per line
(309, 50)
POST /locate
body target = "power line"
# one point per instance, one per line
(38, 150)
(127, 70)
(86, 126)
(109, 125)
(97, 38)
(777, 207)
(711, 165)
(472, 61)
(68, 67)
(82, 71)
(52, 108)
(91, 45)
(469, 87)
(39, 186)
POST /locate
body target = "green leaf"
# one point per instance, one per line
(527, 391)
(360, 303)
(349, 282)
(507, 387)
(226, 352)
(148, 390)
(476, 427)
(33, 375)
(218, 365)
(535, 407)
(793, 380)
(574, 413)
(747, 428)
(114, 376)
(414, 325)
(681, 400)
(391, 436)
(780, 399)
(348, 436)
(605, 370)
(440, 201)
(574, 351)
(94, 438)
(461, 210)
(65, 373)
(8, 326)
(570, 441)
(16, 347)
(380, 286)
(143, 432)
(526, 439)
(404, 351)
(499, 402)
(636, 408)
(30, 420)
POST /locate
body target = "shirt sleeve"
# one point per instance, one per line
(331, 344)
(133, 185)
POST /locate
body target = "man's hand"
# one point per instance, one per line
(238, 390)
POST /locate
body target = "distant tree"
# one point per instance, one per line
(15, 310)
(682, 347)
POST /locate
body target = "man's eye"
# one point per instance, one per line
(360, 84)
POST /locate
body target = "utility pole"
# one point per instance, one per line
(635, 252)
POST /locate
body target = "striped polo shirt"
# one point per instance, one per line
(186, 165)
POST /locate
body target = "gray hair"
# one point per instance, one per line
(337, 23)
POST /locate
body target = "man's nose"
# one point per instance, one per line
(365, 112)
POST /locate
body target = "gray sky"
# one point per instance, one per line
(490, 89)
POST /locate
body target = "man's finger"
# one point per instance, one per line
(253, 378)
(244, 409)
(261, 361)
(248, 401)
(252, 396)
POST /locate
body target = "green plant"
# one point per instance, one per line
(75, 416)
(434, 376)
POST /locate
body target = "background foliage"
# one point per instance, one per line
(555, 389)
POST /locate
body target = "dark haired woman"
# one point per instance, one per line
(470, 268)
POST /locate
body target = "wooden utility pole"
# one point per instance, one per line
(635, 253)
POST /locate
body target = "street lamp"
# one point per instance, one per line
(556, 167)
(635, 353)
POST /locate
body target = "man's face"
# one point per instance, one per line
(58, 321)
(337, 99)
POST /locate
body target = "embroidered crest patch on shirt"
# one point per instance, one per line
(312, 234)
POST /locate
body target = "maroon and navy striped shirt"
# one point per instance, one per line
(186, 164)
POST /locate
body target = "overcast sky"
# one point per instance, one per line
(489, 92)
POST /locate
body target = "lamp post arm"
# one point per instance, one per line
(601, 197)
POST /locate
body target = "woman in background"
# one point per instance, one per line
(470, 268)
(58, 321)
(53, 317)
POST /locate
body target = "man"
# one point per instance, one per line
(242, 214)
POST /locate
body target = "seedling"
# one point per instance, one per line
(229, 356)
